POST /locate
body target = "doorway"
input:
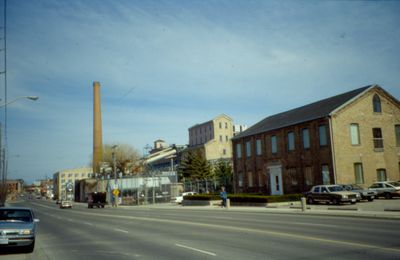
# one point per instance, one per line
(275, 175)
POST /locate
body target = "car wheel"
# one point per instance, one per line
(335, 201)
(370, 199)
(388, 196)
(310, 200)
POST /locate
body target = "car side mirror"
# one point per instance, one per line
(36, 220)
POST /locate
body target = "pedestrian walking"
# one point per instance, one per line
(224, 196)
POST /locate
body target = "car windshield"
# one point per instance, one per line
(335, 188)
(394, 183)
(355, 187)
(16, 215)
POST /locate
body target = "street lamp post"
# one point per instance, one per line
(115, 174)
(34, 98)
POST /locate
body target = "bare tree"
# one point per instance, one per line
(126, 158)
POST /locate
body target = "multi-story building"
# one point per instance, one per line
(212, 138)
(353, 137)
(65, 178)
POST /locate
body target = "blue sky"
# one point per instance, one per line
(167, 65)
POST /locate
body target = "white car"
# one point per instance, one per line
(179, 198)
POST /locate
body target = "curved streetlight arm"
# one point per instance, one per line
(34, 98)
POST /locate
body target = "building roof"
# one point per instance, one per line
(316, 110)
(209, 121)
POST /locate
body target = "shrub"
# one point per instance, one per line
(248, 198)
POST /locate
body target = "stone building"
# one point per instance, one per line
(353, 137)
(212, 138)
(65, 178)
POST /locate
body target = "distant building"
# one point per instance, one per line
(237, 129)
(163, 157)
(353, 137)
(212, 138)
(15, 186)
(62, 179)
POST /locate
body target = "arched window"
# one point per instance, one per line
(377, 104)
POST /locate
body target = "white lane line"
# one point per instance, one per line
(121, 230)
(197, 250)
(313, 224)
(87, 223)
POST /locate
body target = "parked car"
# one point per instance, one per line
(58, 201)
(334, 194)
(18, 228)
(365, 194)
(387, 189)
(65, 204)
(179, 199)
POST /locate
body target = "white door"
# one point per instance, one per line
(275, 175)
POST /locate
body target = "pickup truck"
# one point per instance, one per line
(97, 199)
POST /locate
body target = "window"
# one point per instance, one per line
(308, 175)
(397, 133)
(224, 151)
(248, 148)
(240, 179)
(358, 173)
(325, 175)
(322, 135)
(69, 175)
(306, 138)
(274, 144)
(250, 179)
(290, 137)
(258, 147)
(220, 125)
(226, 125)
(377, 104)
(238, 151)
(226, 138)
(260, 179)
(220, 138)
(354, 134)
(76, 175)
(381, 175)
(378, 140)
(292, 176)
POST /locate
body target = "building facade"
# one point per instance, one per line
(66, 178)
(353, 137)
(212, 138)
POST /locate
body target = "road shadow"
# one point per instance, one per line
(11, 251)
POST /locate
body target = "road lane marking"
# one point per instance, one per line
(88, 223)
(313, 224)
(121, 230)
(239, 229)
(197, 250)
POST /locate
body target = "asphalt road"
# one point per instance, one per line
(176, 233)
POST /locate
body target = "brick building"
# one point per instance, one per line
(353, 137)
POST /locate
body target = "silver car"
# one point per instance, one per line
(17, 228)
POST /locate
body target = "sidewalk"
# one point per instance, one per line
(286, 208)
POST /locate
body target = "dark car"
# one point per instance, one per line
(334, 194)
(97, 199)
(17, 228)
(366, 194)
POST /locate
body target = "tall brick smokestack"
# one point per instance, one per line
(97, 129)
